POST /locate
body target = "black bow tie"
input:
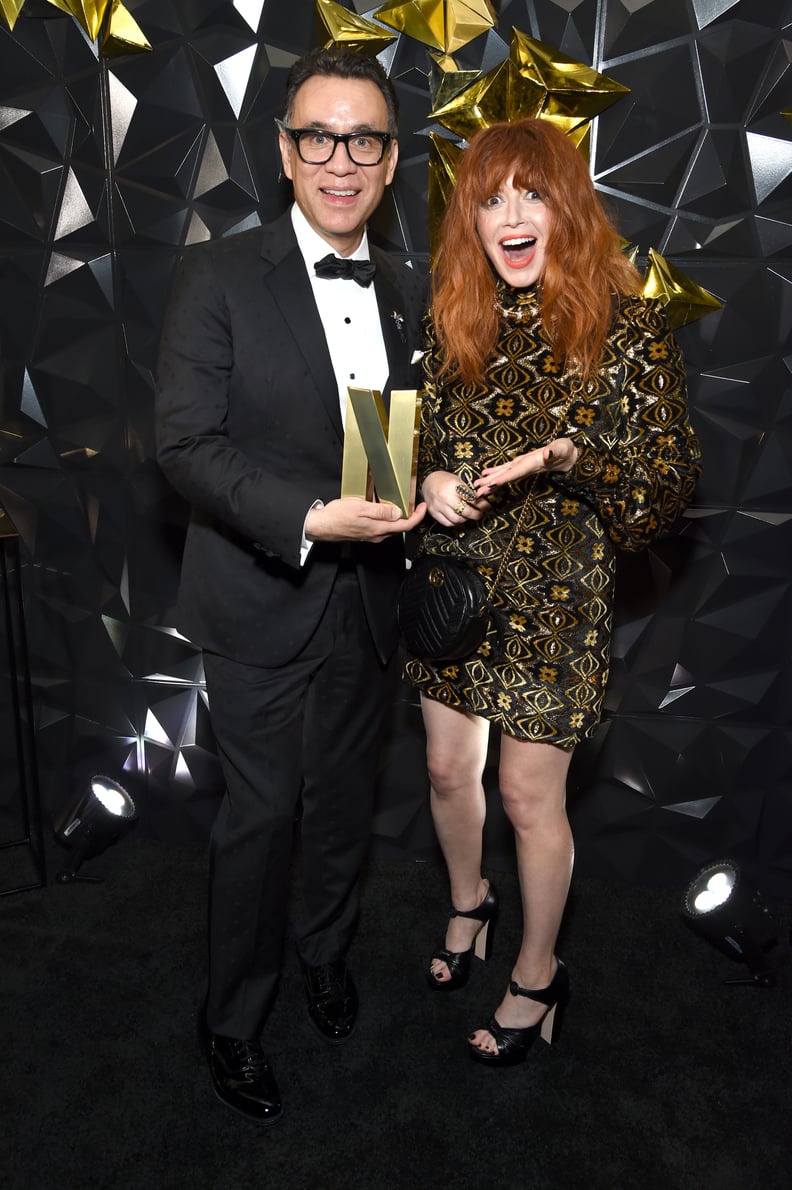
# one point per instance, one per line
(361, 271)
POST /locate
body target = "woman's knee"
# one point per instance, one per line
(448, 772)
(532, 779)
(521, 805)
(527, 804)
(456, 747)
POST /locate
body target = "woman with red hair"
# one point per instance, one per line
(555, 427)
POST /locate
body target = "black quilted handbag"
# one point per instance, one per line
(444, 609)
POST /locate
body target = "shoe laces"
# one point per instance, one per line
(250, 1056)
(328, 981)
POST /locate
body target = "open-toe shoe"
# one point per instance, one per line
(514, 1044)
(459, 962)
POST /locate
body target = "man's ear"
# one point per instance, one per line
(393, 157)
(285, 146)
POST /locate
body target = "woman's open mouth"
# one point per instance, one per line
(518, 251)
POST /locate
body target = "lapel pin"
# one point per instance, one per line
(399, 321)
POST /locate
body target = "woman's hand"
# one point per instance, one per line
(450, 500)
(559, 455)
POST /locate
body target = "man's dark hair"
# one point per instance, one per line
(345, 64)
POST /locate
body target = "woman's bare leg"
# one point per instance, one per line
(456, 750)
(533, 789)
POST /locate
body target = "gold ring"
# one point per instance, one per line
(460, 508)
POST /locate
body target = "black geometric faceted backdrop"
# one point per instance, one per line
(110, 166)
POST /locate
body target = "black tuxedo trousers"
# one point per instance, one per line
(306, 732)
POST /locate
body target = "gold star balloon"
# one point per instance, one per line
(350, 30)
(683, 299)
(11, 10)
(446, 82)
(443, 25)
(629, 250)
(90, 13)
(422, 19)
(123, 34)
(535, 80)
(444, 158)
(446, 62)
(464, 21)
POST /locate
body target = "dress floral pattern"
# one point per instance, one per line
(541, 671)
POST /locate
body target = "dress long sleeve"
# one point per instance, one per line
(638, 456)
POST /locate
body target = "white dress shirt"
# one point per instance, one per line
(349, 315)
(350, 318)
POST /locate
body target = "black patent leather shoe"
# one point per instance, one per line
(242, 1078)
(332, 999)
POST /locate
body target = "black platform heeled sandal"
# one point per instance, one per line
(513, 1044)
(459, 961)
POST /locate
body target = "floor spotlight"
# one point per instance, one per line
(98, 817)
(723, 909)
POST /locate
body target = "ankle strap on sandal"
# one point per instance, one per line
(483, 911)
(543, 995)
(548, 995)
(474, 913)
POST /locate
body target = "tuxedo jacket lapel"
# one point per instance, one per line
(390, 301)
(287, 279)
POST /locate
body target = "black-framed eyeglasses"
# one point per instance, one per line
(316, 146)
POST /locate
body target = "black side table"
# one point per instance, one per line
(20, 799)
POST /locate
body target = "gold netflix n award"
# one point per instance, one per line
(381, 449)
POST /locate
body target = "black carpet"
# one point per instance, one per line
(663, 1078)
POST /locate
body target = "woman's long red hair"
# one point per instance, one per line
(584, 267)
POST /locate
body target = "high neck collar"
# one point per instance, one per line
(517, 304)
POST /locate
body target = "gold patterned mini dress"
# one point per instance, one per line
(540, 672)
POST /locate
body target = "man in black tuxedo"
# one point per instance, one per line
(290, 590)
